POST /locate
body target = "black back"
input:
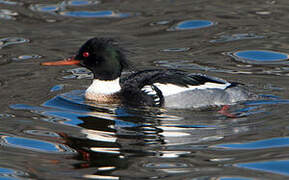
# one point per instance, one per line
(133, 84)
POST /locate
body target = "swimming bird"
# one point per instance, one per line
(171, 88)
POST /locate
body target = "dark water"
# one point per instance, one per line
(48, 131)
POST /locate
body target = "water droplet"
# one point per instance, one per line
(259, 56)
(235, 37)
(12, 40)
(57, 88)
(94, 14)
(34, 145)
(25, 57)
(191, 24)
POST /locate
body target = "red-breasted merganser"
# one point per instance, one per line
(170, 88)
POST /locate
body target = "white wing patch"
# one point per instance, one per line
(149, 90)
(170, 89)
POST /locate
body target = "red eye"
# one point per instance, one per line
(85, 54)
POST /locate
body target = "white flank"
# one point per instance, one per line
(102, 87)
(170, 89)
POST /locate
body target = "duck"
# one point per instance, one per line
(168, 88)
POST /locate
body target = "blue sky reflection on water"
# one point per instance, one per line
(10, 174)
(275, 166)
(261, 55)
(192, 24)
(94, 14)
(239, 41)
(260, 144)
(34, 144)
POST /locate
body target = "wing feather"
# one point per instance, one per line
(171, 81)
(168, 76)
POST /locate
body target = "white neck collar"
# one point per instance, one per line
(102, 87)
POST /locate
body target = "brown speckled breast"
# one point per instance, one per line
(100, 98)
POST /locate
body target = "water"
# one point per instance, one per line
(49, 131)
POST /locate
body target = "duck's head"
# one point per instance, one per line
(100, 55)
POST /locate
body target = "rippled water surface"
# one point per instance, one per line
(49, 131)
